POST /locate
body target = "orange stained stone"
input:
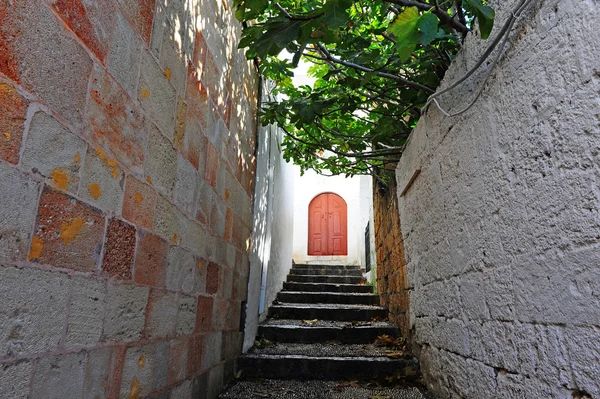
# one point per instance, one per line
(95, 190)
(70, 230)
(145, 93)
(37, 245)
(60, 178)
(137, 198)
(135, 389)
(174, 238)
(77, 159)
(7, 136)
(141, 361)
(149, 179)
(168, 73)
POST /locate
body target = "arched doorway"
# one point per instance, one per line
(327, 225)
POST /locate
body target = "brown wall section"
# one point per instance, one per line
(392, 283)
(127, 137)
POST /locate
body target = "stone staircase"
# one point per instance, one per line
(323, 328)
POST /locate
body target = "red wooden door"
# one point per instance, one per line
(327, 225)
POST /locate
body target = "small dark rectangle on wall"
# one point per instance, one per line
(242, 316)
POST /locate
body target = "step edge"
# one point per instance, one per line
(369, 359)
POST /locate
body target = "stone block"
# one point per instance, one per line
(187, 185)
(217, 217)
(138, 368)
(231, 345)
(495, 343)
(34, 311)
(219, 316)
(204, 314)
(47, 60)
(125, 310)
(115, 122)
(211, 165)
(215, 382)
(139, 203)
(86, 310)
(204, 203)
(200, 386)
(161, 315)
(91, 21)
(101, 184)
(213, 276)
(174, 62)
(472, 296)
(14, 380)
(156, 95)
(194, 143)
(13, 110)
(53, 152)
(227, 281)
(161, 164)
(183, 272)
(180, 122)
(186, 317)
(141, 13)
(195, 354)
(178, 360)
(124, 57)
(182, 391)
(99, 372)
(499, 293)
(151, 260)
(68, 232)
(59, 377)
(584, 356)
(18, 196)
(232, 321)
(119, 249)
(161, 365)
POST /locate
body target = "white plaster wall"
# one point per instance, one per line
(353, 192)
(502, 227)
(271, 254)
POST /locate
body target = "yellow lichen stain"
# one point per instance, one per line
(168, 73)
(36, 248)
(149, 179)
(70, 230)
(137, 198)
(226, 194)
(174, 238)
(145, 93)
(110, 162)
(95, 190)
(77, 159)
(180, 240)
(135, 389)
(60, 178)
(141, 361)
(200, 264)
(6, 136)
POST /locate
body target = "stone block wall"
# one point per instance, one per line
(127, 140)
(501, 228)
(392, 284)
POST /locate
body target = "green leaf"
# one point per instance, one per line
(335, 13)
(428, 26)
(406, 31)
(485, 15)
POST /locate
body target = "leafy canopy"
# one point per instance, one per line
(375, 63)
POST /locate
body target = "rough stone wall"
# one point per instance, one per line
(392, 284)
(127, 136)
(502, 228)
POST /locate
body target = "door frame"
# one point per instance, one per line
(344, 227)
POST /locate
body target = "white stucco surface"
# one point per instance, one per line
(502, 226)
(271, 255)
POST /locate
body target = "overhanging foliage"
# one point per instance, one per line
(375, 64)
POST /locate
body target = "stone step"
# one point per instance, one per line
(295, 331)
(327, 312)
(323, 362)
(325, 279)
(320, 287)
(329, 272)
(318, 389)
(326, 267)
(328, 297)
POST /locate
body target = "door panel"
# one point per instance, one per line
(327, 225)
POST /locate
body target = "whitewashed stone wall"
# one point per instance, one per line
(502, 226)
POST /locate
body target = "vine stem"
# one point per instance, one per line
(502, 36)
